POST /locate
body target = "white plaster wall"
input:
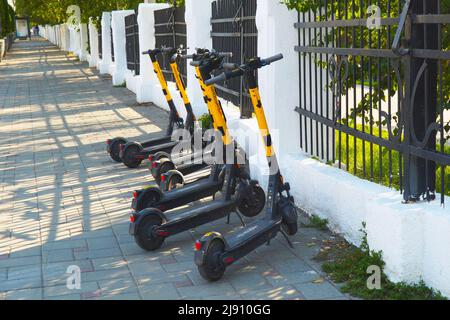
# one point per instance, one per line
(119, 42)
(106, 61)
(93, 44)
(83, 42)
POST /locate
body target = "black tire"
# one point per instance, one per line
(148, 200)
(175, 181)
(144, 237)
(115, 149)
(213, 269)
(290, 228)
(253, 206)
(129, 156)
(164, 166)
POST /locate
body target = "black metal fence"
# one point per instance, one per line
(132, 43)
(374, 93)
(100, 44)
(170, 31)
(234, 30)
(112, 46)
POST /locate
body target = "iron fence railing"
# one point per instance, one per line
(100, 44)
(170, 31)
(132, 43)
(234, 30)
(112, 46)
(374, 96)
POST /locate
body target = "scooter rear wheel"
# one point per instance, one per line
(129, 156)
(213, 269)
(115, 149)
(145, 237)
(253, 204)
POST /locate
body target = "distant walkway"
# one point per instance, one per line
(63, 202)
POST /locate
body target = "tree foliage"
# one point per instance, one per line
(7, 18)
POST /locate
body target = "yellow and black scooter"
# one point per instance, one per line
(168, 216)
(214, 252)
(121, 149)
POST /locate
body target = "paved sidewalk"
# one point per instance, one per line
(63, 202)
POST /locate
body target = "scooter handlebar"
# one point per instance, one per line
(272, 59)
(230, 66)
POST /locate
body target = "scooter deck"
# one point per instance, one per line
(165, 147)
(194, 191)
(252, 236)
(180, 220)
(156, 141)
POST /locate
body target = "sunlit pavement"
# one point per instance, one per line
(64, 203)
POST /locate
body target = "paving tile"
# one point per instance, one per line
(61, 290)
(315, 291)
(165, 291)
(25, 294)
(275, 293)
(216, 289)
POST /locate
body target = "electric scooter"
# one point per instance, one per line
(115, 147)
(150, 227)
(215, 252)
(199, 188)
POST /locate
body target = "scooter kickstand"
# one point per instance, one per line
(240, 218)
(287, 239)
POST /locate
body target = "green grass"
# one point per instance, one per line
(206, 121)
(348, 265)
(317, 222)
(363, 166)
(122, 85)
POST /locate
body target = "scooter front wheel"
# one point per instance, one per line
(252, 204)
(145, 237)
(213, 269)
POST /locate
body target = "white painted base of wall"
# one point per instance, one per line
(131, 81)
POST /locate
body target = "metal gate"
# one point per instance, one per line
(374, 92)
(170, 31)
(132, 43)
(234, 30)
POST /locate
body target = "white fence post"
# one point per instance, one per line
(119, 42)
(279, 83)
(93, 44)
(106, 60)
(83, 42)
(198, 29)
(147, 81)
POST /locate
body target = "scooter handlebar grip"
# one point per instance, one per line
(187, 56)
(273, 59)
(230, 66)
(195, 63)
(220, 78)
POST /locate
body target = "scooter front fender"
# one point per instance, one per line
(204, 242)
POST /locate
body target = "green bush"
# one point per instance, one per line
(7, 18)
